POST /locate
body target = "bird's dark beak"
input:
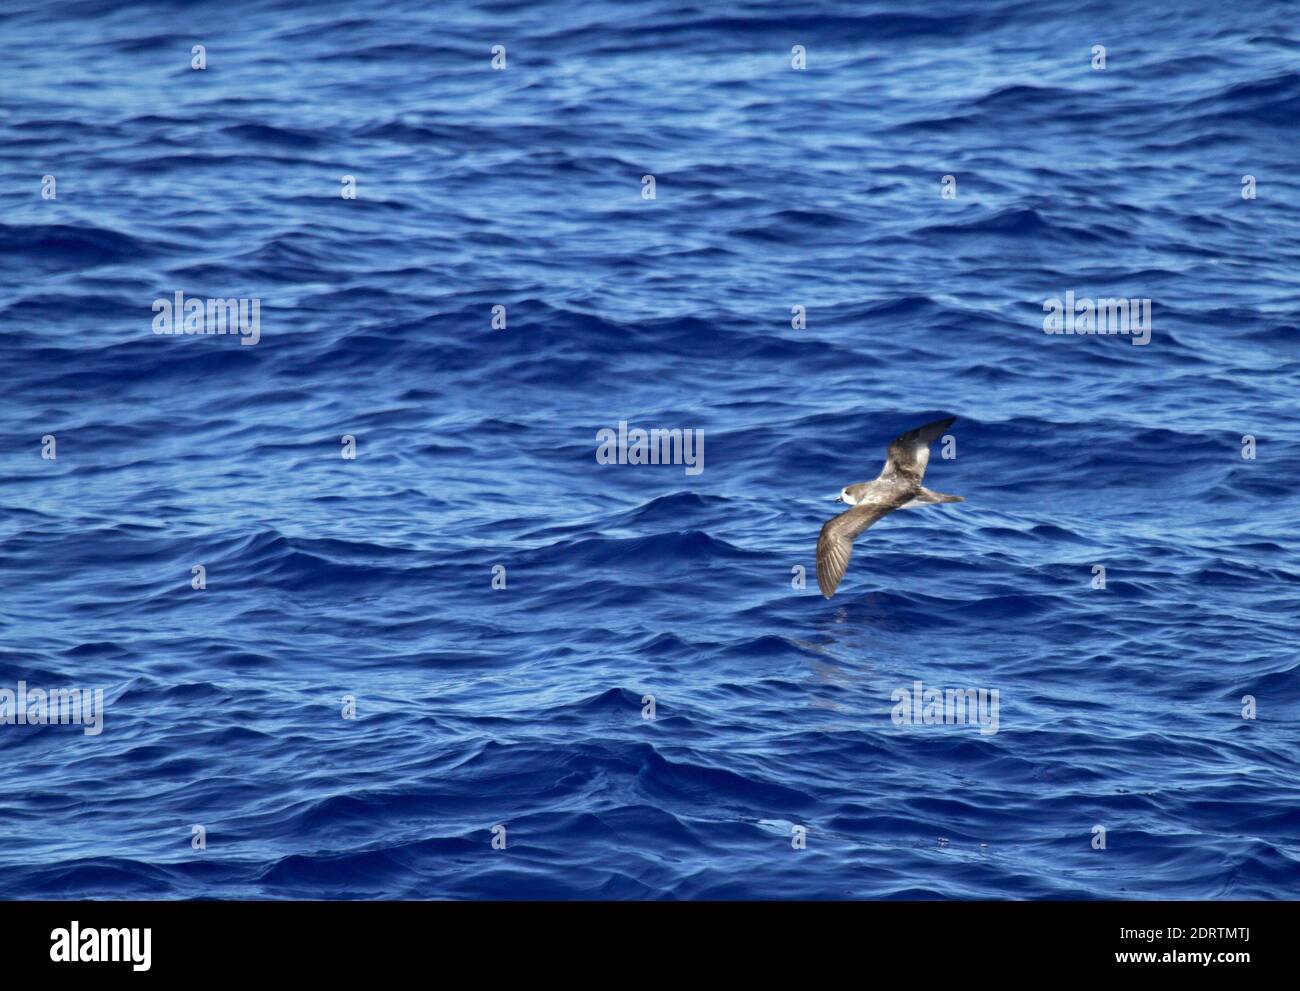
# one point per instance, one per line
(837, 497)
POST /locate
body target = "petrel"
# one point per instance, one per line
(897, 487)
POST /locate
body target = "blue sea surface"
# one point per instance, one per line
(525, 707)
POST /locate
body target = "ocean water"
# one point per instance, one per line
(628, 586)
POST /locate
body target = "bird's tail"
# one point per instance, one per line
(929, 495)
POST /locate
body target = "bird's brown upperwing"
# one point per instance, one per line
(910, 452)
(835, 545)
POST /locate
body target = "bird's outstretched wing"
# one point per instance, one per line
(835, 544)
(910, 452)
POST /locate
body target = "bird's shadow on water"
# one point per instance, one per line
(847, 661)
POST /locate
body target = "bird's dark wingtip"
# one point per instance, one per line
(934, 428)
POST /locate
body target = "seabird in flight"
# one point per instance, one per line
(898, 487)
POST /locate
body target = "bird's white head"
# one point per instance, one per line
(845, 497)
